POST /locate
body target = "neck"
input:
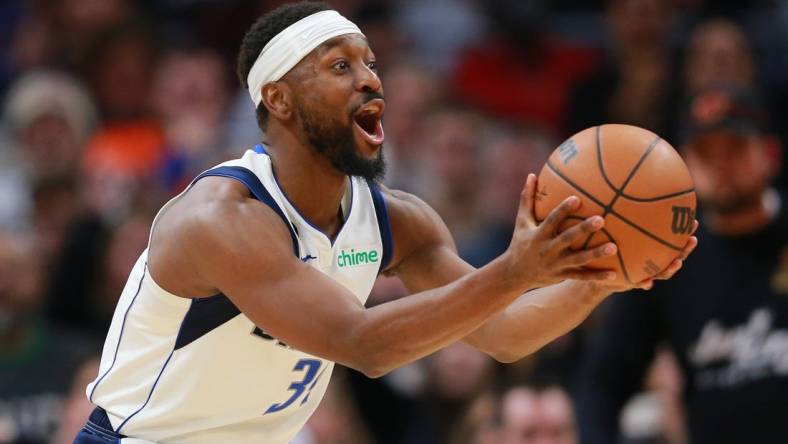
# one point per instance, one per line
(310, 182)
(748, 219)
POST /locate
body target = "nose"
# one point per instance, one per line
(367, 80)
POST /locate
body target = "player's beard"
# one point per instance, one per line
(336, 142)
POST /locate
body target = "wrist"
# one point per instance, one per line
(591, 292)
(511, 275)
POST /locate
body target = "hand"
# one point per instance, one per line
(542, 256)
(665, 274)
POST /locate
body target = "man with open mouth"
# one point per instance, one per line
(254, 281)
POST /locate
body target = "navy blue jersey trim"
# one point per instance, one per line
(99, 425)
(384, 225)
(205, 315)
(120, 336)
(250, 180)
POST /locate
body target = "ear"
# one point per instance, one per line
(278, 100)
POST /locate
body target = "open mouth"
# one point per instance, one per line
(368, 122)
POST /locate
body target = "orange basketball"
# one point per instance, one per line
(637, 182)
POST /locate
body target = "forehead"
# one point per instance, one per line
(717, 140)
(351, 42)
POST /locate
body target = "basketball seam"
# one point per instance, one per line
(599, 159)
(657, 198)
(632, 172)
(610, 239)
(574, 185)
(612, 212)
(619, 255)
(613, 187)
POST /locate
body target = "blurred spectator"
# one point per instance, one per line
(537, 417)
(453, 185)
(725, 315)
(636, 84)
(48, 117)
(92, 269)
(459, 374)
(521, 73)
(37, 361)
(120, 158)
(522, 415)
(438, 30)
(396, 414)
(718, 54)
(190, 96)
(656, 415)
(79, 23)
(388, 43)
(481, 422)
(415, 93)
(508, 159)
(120, 70)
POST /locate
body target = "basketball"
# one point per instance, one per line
(637, 182)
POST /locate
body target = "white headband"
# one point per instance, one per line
(287, 48)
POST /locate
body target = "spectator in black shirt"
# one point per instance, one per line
(726, 315)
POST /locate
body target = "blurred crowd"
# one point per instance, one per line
(111, 107)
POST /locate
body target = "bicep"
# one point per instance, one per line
(253, 264)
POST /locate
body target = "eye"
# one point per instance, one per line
(373, 65)
(341, 66)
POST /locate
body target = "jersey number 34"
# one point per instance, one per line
(310, 368)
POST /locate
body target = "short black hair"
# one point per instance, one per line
(262, 31)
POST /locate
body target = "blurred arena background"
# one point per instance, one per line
(110, 107)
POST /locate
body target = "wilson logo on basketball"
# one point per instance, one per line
(682, 220)
(567, 151)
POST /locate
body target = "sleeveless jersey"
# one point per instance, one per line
(193, 371)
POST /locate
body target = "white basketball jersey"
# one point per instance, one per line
(177, 370)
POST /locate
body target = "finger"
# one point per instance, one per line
(550, 225)
(583, 257)
(527, 201)
(695, 226)
(668, 272)
(579, 231)
(586, 274)
(648, 284)
(689, 247)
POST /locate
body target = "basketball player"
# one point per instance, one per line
(255, 278)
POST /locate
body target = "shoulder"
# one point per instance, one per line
(405, 205)
(208, 231)
(414, 224)
(222, 208)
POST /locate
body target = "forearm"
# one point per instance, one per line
(535, 319)
(398, 332)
